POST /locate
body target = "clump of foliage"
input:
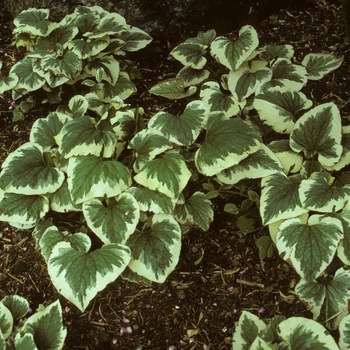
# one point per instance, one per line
(287, 333)
(86, 50)
(42, 330)
(109, 192)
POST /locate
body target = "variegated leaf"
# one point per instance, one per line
(318, 65)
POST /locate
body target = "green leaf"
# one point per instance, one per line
(278, 107)
(148, 143)
(88, 48)
(233, 53)
(319, 193)
(155, 252)
(81, 137)
(46, 327)
(326, 298)
(35, 22)
(134, 38)
(68, 65)
(227, 142)
(109, 66)
(290, 160)
(6, 321)
(257, 165)
(168, 174)
(8, 83)
(44, 130)
(191, 76)
(287, 75)
(79, 276)
(152, 201)
(217, 101)
(197, 211)
(274, 51)
(318, 64)
(309, 247)
(266, 247)
(319, 132)
(344, 331)
(28, 79)
(304, 334)
(190, 54)
(78, 106)
(183, 129)
(51, 236)
(280, 198)
(115, 221)
(173, 89)
(27, 171)
(247, 330)
(92, 177)
(344, 246)
(17, 305)
(244, 81)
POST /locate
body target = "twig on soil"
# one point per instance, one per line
(249, 283)
(15, 278)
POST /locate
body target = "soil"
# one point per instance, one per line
(219, 274)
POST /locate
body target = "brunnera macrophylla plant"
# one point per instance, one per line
(86, 50)
(300, 333)
(42, 330)
(304, 188)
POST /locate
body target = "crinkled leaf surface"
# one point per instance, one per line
(280, 198)
(327, 297)
(81, 137)
(168, 174)
(247, 330)
(190, 54)
(17, 305)
(79, 276)
(244, 81)
(155, 252)
(257, 165)
(304, 334)
(153, 201)
(88, 48)
(26, 171)
(115, 221)
(148, 143)
(22, 211)
(44, 130)
(110, 24)
(233, 53)
(227, 142)
(309, 247)
(319, 193)
(91, 177)
(217, 101)
(318, 65)
(46, 327)
(319, 132)
(197, 211)
(173, 89)
(183, 129)
(278, 107)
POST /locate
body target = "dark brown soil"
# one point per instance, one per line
(219, 274)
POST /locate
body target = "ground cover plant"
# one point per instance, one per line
(210, 188)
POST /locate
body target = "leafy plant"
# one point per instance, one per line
(304, 190)
(42, 330)
(280, 332)
(86, 50)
